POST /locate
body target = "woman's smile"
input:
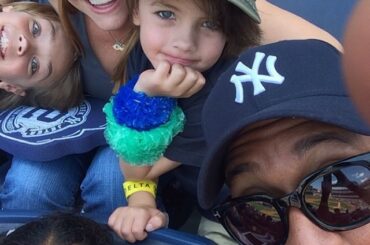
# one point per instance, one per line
(3, 42)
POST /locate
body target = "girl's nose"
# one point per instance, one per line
(185, 39)
(22, 45)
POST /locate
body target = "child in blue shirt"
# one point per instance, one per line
(184, 46)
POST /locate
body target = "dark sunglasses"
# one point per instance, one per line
(336, 198)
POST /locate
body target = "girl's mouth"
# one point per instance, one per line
(4, 41)
(179, 60)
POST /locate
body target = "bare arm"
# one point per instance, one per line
(141, 215)
(162, 166)
(6, 1)
(278, 24)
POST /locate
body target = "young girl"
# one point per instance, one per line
(38, 62)
(83, 181)
(183, 45)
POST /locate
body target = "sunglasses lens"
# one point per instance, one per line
(340, 198)
(255, 222)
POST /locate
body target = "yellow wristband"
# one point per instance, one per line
(130, 187)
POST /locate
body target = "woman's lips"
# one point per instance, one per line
(99, 2)
(103, 6)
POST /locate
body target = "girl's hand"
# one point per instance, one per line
(133, 223)
(175, 81)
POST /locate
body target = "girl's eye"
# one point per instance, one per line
(166, 14)
(210, 24)
(36, 29)
(34, 65)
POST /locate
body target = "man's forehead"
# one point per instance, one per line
(259, 124)
(299, 137)
(281, 174)
(286, 124)
(268, 127)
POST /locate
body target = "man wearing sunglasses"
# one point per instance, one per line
(286, 139)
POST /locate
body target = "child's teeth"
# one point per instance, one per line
(4, 40)
(3, 43)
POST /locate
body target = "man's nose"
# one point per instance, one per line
(22, 45)
(303, 231)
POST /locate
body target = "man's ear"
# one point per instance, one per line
(12, 88)
(136, 17)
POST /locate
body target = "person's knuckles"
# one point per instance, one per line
(158, 219)
(201, 80)
(191, 81)
(192, 75)
(116, 219)
(178, 72)
(139, 233)
(111, 220)
(129, 238)
(164, 66)
(160, 74)
(125, 232)
(132, 232)
(178, 93)
(141, 236)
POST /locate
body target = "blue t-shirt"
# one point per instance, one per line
(189, 146)
(97, 83)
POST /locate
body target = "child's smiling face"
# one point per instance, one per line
(179, 32)
(30, 50)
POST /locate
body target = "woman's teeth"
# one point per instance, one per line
(99, 2)
(4, 41)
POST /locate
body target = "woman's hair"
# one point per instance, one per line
(60, 229)
(61, 94)
(240, 30)
(65, 10)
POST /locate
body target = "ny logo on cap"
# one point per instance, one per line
(251, 75)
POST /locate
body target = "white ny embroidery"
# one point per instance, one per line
(251, 75)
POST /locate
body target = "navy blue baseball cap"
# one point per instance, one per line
(297, 78)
